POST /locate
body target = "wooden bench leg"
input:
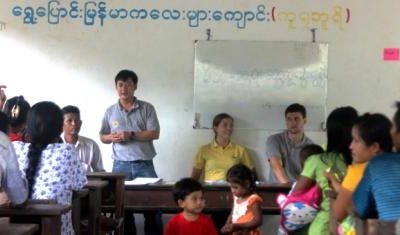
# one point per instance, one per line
(51, 225)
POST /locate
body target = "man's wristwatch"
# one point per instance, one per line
(132, 135)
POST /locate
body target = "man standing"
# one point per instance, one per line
(88, 150)
(283, 149)
(131, 125)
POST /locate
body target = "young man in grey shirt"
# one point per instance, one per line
(131, 125)
(283, 149)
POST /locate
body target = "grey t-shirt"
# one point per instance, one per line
(141, 118)
(279, 145)
(89, 153)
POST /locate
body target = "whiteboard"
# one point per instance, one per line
(254, 81)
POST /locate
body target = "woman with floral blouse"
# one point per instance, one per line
(53, 169)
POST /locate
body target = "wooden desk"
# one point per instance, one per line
(18, 229)
(113, 196)
(95, 191)
(78, 198)
(48, 216)
(141, 198)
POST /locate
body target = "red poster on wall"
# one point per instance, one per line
(391, 53)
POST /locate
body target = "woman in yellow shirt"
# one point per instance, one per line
(214, 159)
(371, 136)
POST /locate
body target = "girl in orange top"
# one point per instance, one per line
(246, 215)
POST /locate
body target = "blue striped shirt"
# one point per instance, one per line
(378, 193)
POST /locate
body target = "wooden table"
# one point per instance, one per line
(47, 215)
(140, 198)
(95, 188)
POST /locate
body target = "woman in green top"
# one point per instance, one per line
(336, 158)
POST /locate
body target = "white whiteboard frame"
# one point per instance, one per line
(254, 81)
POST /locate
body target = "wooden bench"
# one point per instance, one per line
(158, 197)
(47, 216)
(18, 229)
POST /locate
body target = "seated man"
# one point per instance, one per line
(11, 179)
(88, 150)
(283, 148)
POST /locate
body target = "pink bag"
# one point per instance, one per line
(299, 209)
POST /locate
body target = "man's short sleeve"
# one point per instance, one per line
(97, 161)
(152, 123)
(105, 127)
(273, 147)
